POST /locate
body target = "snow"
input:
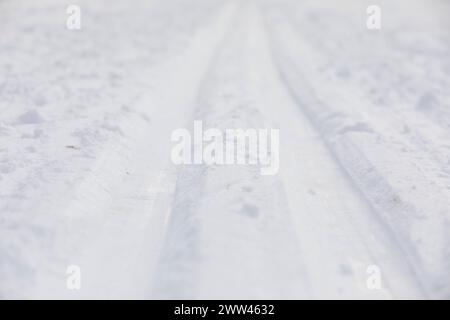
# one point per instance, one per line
(86, 176)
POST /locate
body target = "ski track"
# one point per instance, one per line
(96, 187)
(358, 139)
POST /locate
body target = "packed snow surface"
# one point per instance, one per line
(87, 179)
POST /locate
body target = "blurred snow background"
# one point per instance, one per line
(85, 171)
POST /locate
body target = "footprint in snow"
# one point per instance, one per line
(30, 117)
(250, 210)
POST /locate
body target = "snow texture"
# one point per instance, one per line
(86, 177)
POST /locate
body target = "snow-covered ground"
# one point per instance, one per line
(86, 176)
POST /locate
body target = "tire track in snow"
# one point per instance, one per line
(381, 128)
(129, 242)
(386, 251)
(230, 234)
(112, 221)
(310, 224)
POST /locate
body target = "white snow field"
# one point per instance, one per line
(86, 176)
